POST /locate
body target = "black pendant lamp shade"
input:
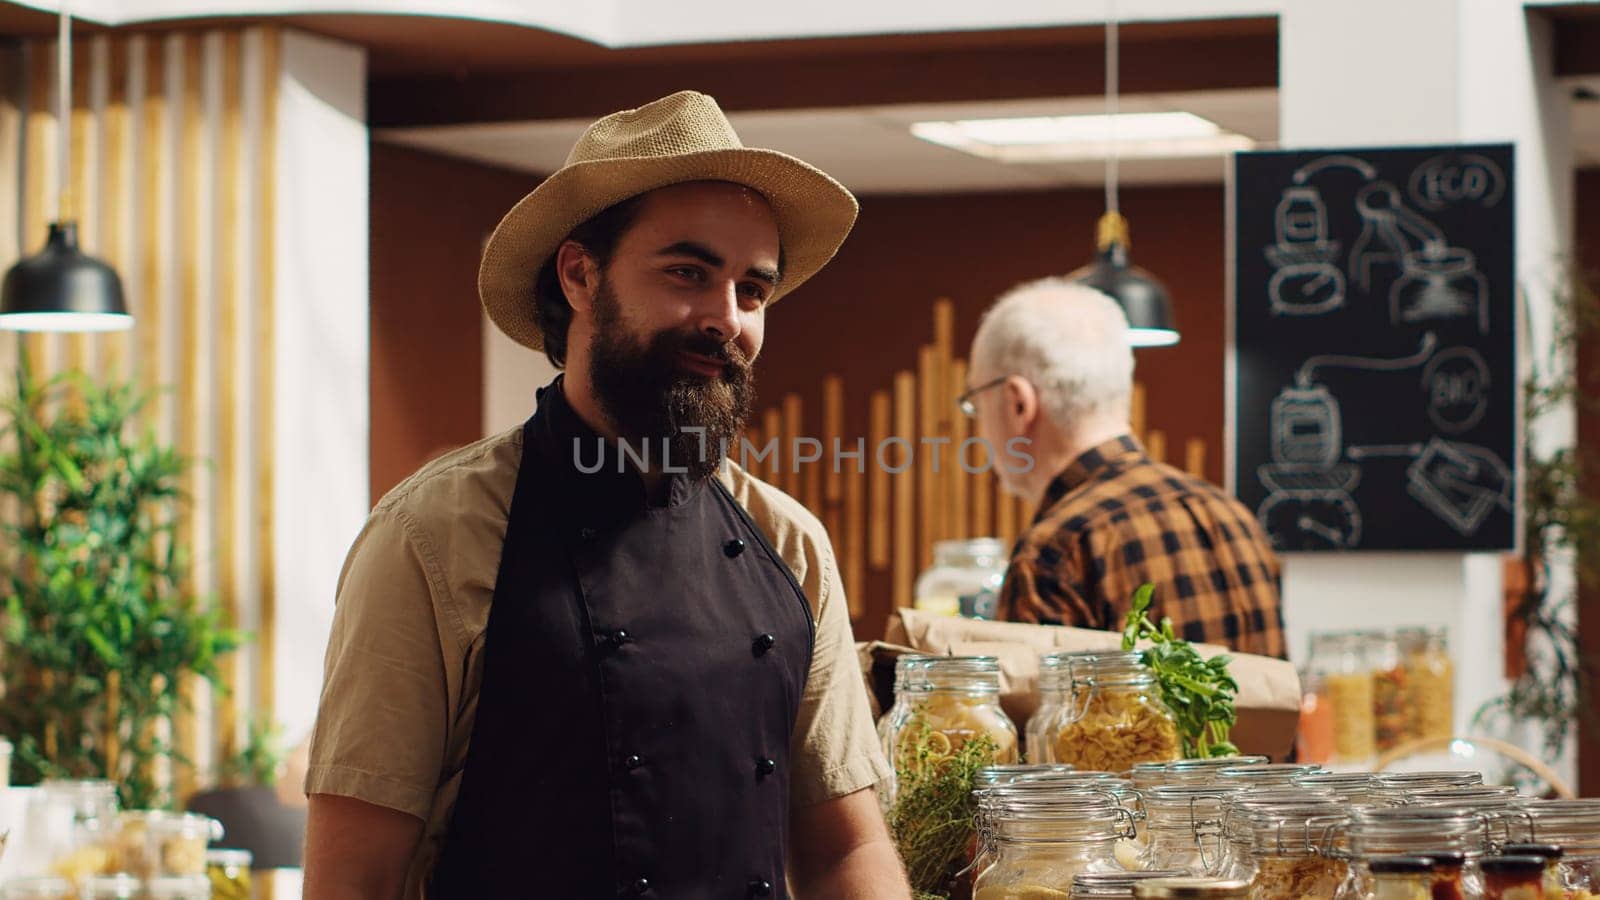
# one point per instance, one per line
(1143, 299)
(62, 289)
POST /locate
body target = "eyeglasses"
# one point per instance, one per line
(965, 400)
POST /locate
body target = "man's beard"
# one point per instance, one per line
(650, 399)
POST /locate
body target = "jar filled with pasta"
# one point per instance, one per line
(1184, 825)
(1291, 851)
(78, 818)
(1052, 695)
(1039, 844)
(151, 843)
(1430, 681)
(1400, 878)
(1348, 682)
(1114, 718)
(908, 685)
(1572, 825)
(1417, 831)
(229, 874)
(1391, 697)
(955, 700)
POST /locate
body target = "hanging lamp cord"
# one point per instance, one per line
(64, 113)
(1113, 228)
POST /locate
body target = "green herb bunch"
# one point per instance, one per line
(1199, 691)
(932, 816)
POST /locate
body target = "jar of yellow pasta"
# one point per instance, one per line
(1348, 685)
(1114, 718)
(1430, 682)
(955, 700)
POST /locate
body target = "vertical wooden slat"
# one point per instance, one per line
(83, 205)
(12, 100)
(1194, 457)
(153, 172)
(905, 485)
(190, 156)
(39, 163)
(1003, 506)
(928, 499)
(1155, 444)
(817, 472)
(228, 301)
(958, 480)
(1136, 411)
(878, 512)
(983, 485)
(793, 419)
(832, 480)
(266, 371)
(115, 191)
(855, 543)
(942, 424)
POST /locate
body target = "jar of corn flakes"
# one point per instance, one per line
(1114, 718)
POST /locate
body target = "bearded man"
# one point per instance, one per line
(591, 657)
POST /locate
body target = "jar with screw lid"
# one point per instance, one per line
(1513, 877)
(1400, 878)
(1191, 889)
(1114, 885)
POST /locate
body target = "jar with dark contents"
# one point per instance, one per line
(1513, 877)
(1448, 879)
(1555, 887)
(1399, 878)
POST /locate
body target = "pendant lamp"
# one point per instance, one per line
(61, 288)
(1143, 299)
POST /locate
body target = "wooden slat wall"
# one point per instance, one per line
(172, 166)
(887, 522)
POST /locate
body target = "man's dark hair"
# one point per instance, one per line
(599, 236)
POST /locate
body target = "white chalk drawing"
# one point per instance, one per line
(1385, 223)
(1307, 282)
(1304, 173)
(1439, 282)
(1456, 382)
(1309, 502)
(1460, 483)
(1378, 451)
(1457, 178)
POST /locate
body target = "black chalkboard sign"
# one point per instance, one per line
(1374, 337)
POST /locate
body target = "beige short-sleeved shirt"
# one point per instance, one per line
(405, 656)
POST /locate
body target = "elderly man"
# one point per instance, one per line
(1051, 364)
(583, 658)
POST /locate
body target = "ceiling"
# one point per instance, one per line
(871, 150)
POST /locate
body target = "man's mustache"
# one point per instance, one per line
(726, 352)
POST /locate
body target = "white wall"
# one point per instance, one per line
(320, 444)
(511, 374)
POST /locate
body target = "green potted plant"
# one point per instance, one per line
(98, 623)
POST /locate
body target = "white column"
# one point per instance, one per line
(320, 452)
(511, 374)
(1376, 72)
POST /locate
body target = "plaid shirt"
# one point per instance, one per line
(1116, 519)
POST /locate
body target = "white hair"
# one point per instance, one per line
(1067, 339)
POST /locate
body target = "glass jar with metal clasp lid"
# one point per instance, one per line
(1513, 878)
(1039, 844)
(1237, 832)
(1497, 801)
(1293, 851)
(1354, 788)
(1415, 830)
(1114, 717)
(1052, 697)
(908, 684)
(1572, 825)
(1114, 885)
(990, 801)
(1264, 775)
(1188, 772)
(1184, 825)
(989, 776)
(1392, 788)
(951, 701)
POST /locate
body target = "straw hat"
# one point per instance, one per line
(683, 137)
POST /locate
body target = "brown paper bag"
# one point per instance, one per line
(1268, 703)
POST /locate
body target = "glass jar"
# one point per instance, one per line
(1396, 788)
(229, 874)
(78, 818)
(178, 887)
(1191, 889)
(147, 844)
(908, 684)
(965, 578)
(1188, 772)
(1347, 680)
(1354, 788)
(1314, 737)
(1391, 712)
(1554, 883)
(1184, 825)
(1291, 852)
(1430, 681)
(989, 776)
(1400, 878)
(46, 887)
(1039, 845)
(1115, 718)
(1574, 826)
(1052, 696)
(1417, 831)
(111, 887)
(955, 700)
(1113, 885)
(1447, 880)
(1513, 878)
(1240, 810)
(1265, 775)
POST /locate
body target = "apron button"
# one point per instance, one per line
(763, 643)
(640, 886)
(760, 887)
(633, 762)
(733, 548)
(766, 767)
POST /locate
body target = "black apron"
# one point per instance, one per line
(643, 668)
